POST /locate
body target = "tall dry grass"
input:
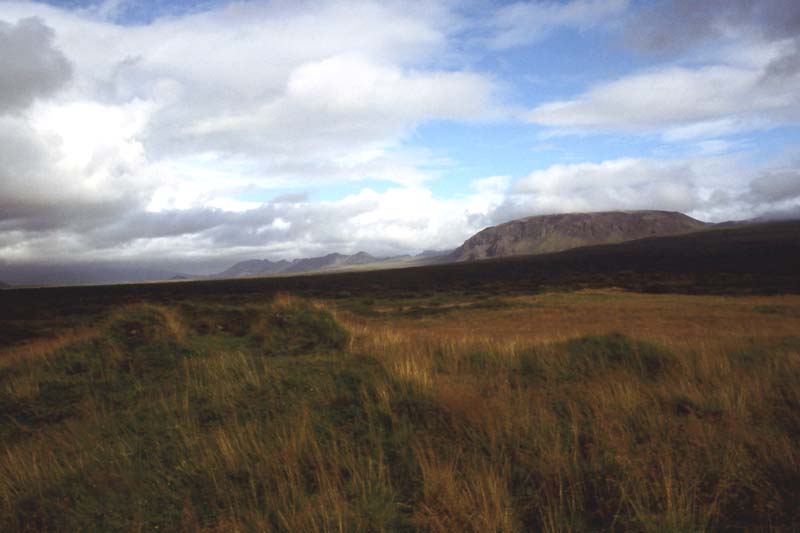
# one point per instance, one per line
(565, 430)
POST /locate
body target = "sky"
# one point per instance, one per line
(190, 135)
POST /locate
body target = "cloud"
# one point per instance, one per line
(626, 183)
(678, 25)
(709, 188)
(784, 68)
(731, 67)
(776, 186)
(715, 146)
(399, 220)
(340, 103)
(682, 102)
(165, 126)
(286, 92)
(30, 65)
(72, 166)
(524, 23)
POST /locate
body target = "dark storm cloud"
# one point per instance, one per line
(783, 68)
(30, 66)
(269, 224)
(23, 157)
(76, 215)
(147, 225)
(678, 25)
(776, 186)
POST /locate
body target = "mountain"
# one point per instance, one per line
(555, 233)
(360, 258)
(532, 235)
(4, 285)
(434, 253)
(312, 264)
(255, 267)
(265, 267)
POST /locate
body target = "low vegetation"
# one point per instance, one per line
(587, 410)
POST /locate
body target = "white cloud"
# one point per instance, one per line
(615, 184)
(710, 188)
(72, 165)
(399, 220)
(715, 146)
(292, 83)
(344, 104)
(679, 102)
(524, 23)
(737, 68)
(188, 112)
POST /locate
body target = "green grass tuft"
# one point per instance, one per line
(301, 329)
(594, 354)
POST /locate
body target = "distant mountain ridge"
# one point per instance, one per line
(531, 235)
(265, 267)
(334, 261)
(555, 233)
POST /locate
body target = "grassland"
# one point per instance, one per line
(594, 409)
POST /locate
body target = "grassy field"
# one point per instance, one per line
(597, 409)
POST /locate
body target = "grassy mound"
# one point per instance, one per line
(299, 328)
(284, 327)
(132, 410)
(205, 319)
(593, 354)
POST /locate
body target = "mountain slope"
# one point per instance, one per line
(255, 267)
(555, 233)
(265, 267)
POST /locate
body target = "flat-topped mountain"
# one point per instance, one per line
(555, 233)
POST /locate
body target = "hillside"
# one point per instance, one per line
(555, 233)
(327, 263)
(254, 267)
(265, 267)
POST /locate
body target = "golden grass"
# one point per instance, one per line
(676, 319)
(472, 420)
(41, 348)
